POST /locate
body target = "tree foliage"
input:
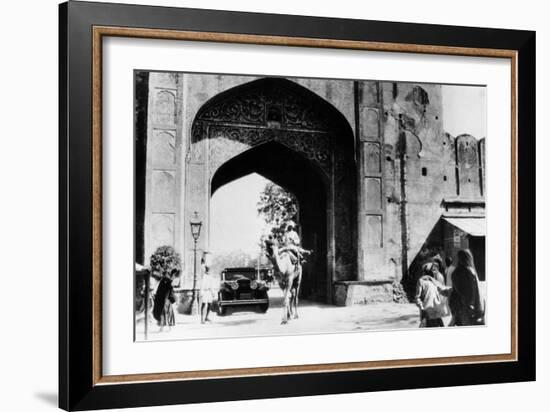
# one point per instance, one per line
(278, 207)
(165, 262)
(233, 259)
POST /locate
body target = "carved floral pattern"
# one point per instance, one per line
(301, 109)
(314, 146)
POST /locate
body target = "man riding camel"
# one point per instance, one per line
(292, 243)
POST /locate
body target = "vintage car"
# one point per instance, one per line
(246, 286)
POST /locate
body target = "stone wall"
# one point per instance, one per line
(414, 163)
(405, 167)
(423, 167)
(163, 163)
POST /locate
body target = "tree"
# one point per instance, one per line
(233, 259)
(165, 262)
(278, 207)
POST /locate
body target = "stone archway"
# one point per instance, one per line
(298, 175)
(272, 121)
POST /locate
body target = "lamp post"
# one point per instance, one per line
(196, 225)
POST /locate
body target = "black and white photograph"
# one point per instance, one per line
(272, 206)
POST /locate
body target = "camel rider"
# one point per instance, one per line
(292, 243)
(292, 237)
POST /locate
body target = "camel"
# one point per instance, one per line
(290, 277)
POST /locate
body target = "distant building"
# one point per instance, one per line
(379, 183)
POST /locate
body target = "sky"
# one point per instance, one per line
(235, 221)
(464, 110)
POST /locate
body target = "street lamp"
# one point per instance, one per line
(196, 225)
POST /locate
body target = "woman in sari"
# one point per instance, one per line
(465, 303)
(163, 311)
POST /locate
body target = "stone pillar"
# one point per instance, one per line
(197, 199)
(371, 255)
(163, 179)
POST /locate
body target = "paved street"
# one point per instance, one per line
(314, 318)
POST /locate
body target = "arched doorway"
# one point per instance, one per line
(283, 131)
(299, 176)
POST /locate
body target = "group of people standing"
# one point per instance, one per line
(442, 290)
(452, 290)
(164, 296)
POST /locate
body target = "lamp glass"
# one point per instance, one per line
(196, 225)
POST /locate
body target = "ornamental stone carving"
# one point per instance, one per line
(228, 141)
(276, 103)
(262, 111)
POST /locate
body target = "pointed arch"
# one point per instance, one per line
(272, 103)
(290, 135)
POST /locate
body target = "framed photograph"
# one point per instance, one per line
(256, 205)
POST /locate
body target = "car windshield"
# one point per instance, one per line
(240, 275)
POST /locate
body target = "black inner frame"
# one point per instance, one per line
(76, 389)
